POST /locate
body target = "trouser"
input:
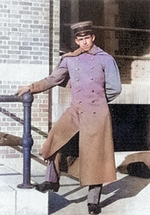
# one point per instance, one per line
(94, 194)
(94, 191)
(53, 172)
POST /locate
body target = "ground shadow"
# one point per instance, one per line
(56, 202)
(124, 188)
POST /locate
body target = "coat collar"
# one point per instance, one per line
(93, 51)
(96, 50)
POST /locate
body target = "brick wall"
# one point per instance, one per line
(25, 44)
(136, 90)
(24, 36)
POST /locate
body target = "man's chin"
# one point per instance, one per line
(86, 49)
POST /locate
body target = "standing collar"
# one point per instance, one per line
(95, 50)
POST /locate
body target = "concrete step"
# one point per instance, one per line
(126, 196)
(7, 199)
(16, 201)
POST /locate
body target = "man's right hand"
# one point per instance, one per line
(23, 90)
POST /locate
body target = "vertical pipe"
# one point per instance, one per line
(27, 140)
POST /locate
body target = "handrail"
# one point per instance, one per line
(27, 140)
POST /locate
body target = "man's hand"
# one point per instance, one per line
(23, 90)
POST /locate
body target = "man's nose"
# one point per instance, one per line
(84, 41)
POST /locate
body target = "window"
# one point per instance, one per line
(122, 28)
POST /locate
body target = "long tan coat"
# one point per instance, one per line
(95, 80)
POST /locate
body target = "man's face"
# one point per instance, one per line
(86, 42)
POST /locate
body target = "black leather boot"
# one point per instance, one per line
(94, 208)
(47, 185)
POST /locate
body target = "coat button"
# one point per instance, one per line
(77, 69)
(77, 79)
(94, 112)
(78, 91)
(92, 79)
(79, 102)
(91, 67)
(92, 91)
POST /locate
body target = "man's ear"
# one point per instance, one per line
(93, 37)
(76, 41)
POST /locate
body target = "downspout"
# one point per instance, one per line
(50, 63)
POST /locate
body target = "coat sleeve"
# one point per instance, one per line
(59, 76)
(112, 79)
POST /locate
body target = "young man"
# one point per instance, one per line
(95, 81)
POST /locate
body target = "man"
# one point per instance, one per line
(95, 80)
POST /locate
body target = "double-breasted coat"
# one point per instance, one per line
(95, 80)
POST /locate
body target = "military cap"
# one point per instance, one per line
(82, 28)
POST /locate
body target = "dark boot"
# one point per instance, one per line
(94, 208)
(47, 185)
(51, 179)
